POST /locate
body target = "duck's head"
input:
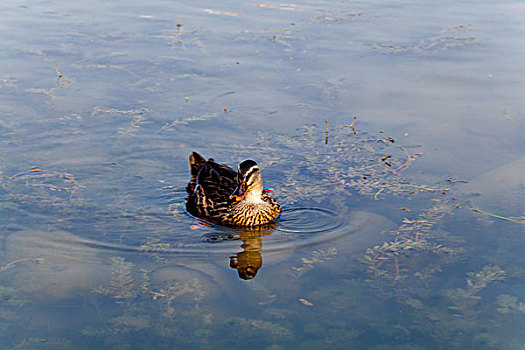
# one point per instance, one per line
(249, 183)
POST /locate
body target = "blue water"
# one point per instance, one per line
(401, 232)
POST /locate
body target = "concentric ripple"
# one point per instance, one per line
(296, 227)
(305, 221)
(308, 226)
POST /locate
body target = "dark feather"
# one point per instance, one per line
(210, 187)
(209, 190)
(196, 162)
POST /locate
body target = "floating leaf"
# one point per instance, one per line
(305, 302)
(216, 12)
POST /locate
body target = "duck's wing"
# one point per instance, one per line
(214, 185)
(217, 180)
(196, 161)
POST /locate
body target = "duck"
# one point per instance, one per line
(220, 195)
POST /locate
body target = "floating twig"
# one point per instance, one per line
(376, 196)
(58, 72)
(58, 83)
(518, 220)
(215, 12)
(326, 132)
(355, 118)
(352, 125)
(13, 263)
(305, 302)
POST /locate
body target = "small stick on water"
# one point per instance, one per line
(326, 135)
(352, 125)
(225, 109)
(13, 263)
(58, 79)
(519, 220)
(178, 22)
(355, 118)
(24, 173)
(58, 83)
(58, 73)
(376, 196)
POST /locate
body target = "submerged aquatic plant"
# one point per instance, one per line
(264, 293)
(119, 325)
(247, 327)
(510, 304)
(41, 344)
(332, 17)
(448, 38)
(476, 281)
(41, 187)
(154, 247)
(318, 256)
(176, 289)
(122, 287)
(464, 300)
(10, 296)
(412, 243)
(322, 164)
(184, 121)
(129, 323)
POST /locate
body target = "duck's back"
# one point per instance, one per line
(209, 189)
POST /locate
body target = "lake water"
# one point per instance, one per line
(404, 230)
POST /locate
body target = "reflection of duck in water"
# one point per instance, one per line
(250, 260)
(220, 195)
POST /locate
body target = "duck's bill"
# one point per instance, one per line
(239, 192)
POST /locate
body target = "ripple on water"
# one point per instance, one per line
(309, 221)
(296, 227)
(304, 226)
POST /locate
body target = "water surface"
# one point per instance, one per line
(404, 231)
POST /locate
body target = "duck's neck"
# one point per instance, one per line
(254, 195)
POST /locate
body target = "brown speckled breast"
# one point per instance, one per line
(250, 214)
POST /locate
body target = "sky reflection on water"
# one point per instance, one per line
(102, 102)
